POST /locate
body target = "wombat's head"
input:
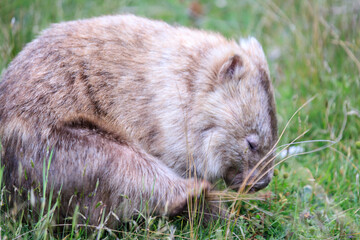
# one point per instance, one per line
(239, 126)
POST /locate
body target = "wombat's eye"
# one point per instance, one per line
(253, 142)
(207, 128)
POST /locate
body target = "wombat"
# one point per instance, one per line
(123, 111)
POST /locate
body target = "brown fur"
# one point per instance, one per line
(126, 102)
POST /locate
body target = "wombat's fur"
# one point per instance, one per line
(129, 108)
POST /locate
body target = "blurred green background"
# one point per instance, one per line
(313, 49)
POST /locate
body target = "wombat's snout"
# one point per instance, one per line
(260, 184)
(260, 179)
(252, 183)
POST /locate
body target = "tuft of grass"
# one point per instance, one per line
(313, 48)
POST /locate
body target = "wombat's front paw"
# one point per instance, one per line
(193, 189)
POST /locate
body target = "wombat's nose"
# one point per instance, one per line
(258, 184)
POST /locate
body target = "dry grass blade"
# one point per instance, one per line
(224, 196)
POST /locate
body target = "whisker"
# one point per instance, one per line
(307, 141)
(293, 155)
(265, 165)
(274, 157)
(277, 142)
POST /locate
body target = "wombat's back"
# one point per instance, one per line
(110, 69)
(123, 73)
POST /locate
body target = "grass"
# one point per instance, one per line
(313, 48)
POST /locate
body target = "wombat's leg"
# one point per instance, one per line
(97, 170)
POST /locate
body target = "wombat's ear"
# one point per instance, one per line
(231, 68)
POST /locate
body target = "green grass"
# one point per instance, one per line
(313, 48)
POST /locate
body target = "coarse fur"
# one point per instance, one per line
(135, 110)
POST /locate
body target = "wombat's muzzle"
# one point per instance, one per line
(253, 183)
(259, 185)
